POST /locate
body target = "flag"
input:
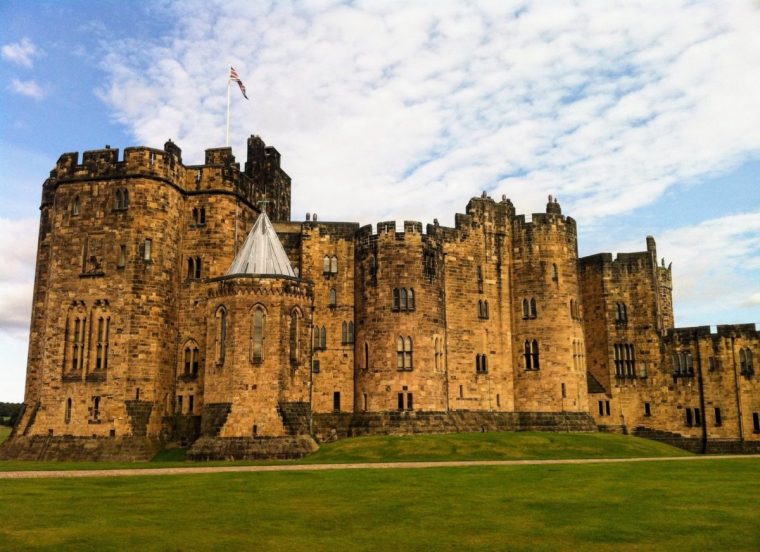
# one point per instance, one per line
(234, 76)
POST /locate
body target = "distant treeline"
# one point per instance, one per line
(9, 413)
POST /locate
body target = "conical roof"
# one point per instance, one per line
(262, 252)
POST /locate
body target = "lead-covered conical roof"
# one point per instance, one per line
(262, 252)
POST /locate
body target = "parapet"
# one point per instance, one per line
(220, 156)
(723, 331)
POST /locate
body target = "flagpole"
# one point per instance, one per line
(227, 142)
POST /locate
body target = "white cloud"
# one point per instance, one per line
(600, 103)
(18, 241)
(21, 53)
(27, 88)
(715, 266)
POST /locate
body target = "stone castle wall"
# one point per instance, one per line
(397, 329)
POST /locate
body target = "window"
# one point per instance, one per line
(364, 396)
(122, 199)
(429, 266)
(326, 265)
(74, 340)
(199, 216)
(336, 401)
(718, 418)
(531, 355)
(601, 408)
(372, 266)
(530, 308)
(67, 413)
(406, 401)
(481, 364)
(555, 273)
(366, 356)
(647, 410)
(483, 309)
(480, 279)
(461, 391)
(498, 400)
(257, 335)
(564, 391)
(625, 360)
(334, 264)
(404, 353)
(745, 362)
(438, 351)
(403, 299)
(347, 333)
(350, 332)
(221, 334)
(295, 345)
(95, 409)
(315, 366)
(533, 309)
(75, 206)
(101, 346)
(697, 417)
(147, 246)
(526, 309)
(528, 358)
(534, 354)
(621, 314)
(688, 417)
(152, 158)
(179, 404)
(332, 299)
(198, 177)
(190, 268)
(756, 422)
(190, 404)
(607, 407)
(122, 256)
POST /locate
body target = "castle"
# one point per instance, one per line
(178, 303)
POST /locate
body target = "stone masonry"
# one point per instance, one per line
(140, 336)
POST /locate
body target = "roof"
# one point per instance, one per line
(594, 386)
(262, 252)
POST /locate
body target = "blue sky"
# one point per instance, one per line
(641, 120)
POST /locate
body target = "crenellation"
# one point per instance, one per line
(140, 333)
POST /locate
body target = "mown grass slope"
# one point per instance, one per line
(408, 448)
(703, 504)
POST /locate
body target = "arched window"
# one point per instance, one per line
(122, 199)
(396, 299)
(295, 345)
(481, 364)
(408, 354)
(533, 309)
(257, 335)
(190, 268)
(534, 354)
(75, 206)
(350, 332)
(323, 339)
(344, 333)
(190, 359)
(326, 265)
(221, 334)
(750, 367)
(403, 305)
(201, 216)
(332, 300)
(410, 301)
(197, 268)
(526, 309)
(67, 413)
(400, 353)
(334, 264)
(555, 273)
(101, 346)
(480, 279)
(527, 356)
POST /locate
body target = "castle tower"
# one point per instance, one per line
(258, 339)
(548, 341)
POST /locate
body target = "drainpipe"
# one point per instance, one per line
(445, 338)
(701, 386)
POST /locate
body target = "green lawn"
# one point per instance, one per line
(453, 446)
(698, 505)
(4, 432)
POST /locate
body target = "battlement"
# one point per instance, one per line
(628, 261)
(723, 331)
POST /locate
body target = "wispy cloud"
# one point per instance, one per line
(715, 268)
(28, 88)
(18, 240)
(375, 104)
(21, 53)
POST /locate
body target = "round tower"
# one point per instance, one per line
(399, 321)
(548, 346)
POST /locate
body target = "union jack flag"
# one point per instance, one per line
(234, 76)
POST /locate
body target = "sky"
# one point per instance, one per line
(643, 118)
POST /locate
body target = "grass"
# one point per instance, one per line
(4, 432)
(453, 446)
(697, 505)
